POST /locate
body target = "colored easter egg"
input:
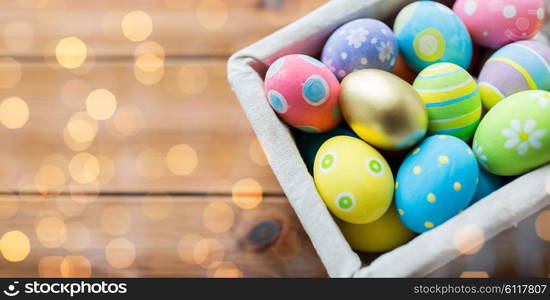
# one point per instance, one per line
(429, 32)
(452, 100)
(309, 143)
(494, 24)
(304, 93)
(486, 185)
(516, 67)
(353, 179)
(383, 109)
(384, 234)
(360, 44)
(514, 136)
(435, 182)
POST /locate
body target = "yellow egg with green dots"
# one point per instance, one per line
(452, 99)
(353, 179)
(384, 234)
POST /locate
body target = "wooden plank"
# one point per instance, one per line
(207, 118)
(211, 27)
(157, 237)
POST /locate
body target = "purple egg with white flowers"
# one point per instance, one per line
(360, 44)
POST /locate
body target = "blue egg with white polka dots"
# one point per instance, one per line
(360, 44)
(436, 181)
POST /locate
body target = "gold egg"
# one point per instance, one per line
(383, 109)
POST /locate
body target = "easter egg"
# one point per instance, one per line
(384, 234)
(435, 182)
(383, 109)
(514, 136)
(452, 100)
(353, 179)
(360, 44)
(494, 24)
(309, 143)
(514, 68)
(429, 32)
(487, 184)
(304, 93)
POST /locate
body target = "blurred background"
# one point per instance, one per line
(126, 154)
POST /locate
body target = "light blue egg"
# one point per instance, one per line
(435, 182)
(487, 184)
(428, 32)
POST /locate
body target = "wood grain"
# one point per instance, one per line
(177, 25)
(267, 241)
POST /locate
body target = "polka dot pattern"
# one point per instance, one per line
(494, 24)
(437, 181)
(315, 90)
(345, 202)
(277, 102)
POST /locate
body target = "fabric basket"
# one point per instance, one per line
(423, 255)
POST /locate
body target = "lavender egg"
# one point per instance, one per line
(360, 44)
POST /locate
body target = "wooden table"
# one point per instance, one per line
(115, 197)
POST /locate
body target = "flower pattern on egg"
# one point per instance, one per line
(543, 97)
(357, 37)
(482, 158)
(385, 51)
(523, 137)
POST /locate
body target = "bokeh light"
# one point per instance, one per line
(84, 193)
(212, 14)
(120, 253)
(51, 231)
(158, 208)
(137, 25)
(18, 36)
(14, 112)
(127, 120)
(468, 239)
(208, 253)
(50, 266)
(77, 237)
(106, 168)
(225, 269)
(76, 266)
(181, 159)
(81, 128)
(192, 79)
(116, 220)
(71, 52)
(150, 48)
(186, 247)
(474, 274)
(15, 246)
(218, 217)
(84, 167)
(101, 104)
(68, 207)
(9, 204)
(50, 179)
(247, 193)
(257, 153)
(542, 225)
(10, 72)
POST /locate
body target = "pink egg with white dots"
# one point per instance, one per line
(304, 93)
(495, 23)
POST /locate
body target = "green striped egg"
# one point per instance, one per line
(452, 99)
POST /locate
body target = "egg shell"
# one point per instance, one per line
(487, 184)
(360, 44)
(435, 182)
(309, 143)
(429, 32)
(384, 234)
(516, 67)
(304, 93)
(452, 100)
(494, 24)
(383, 109)
(514, 136)
(353, 179)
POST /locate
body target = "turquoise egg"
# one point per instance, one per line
(436, 181)
(428, 32)
(487, 184)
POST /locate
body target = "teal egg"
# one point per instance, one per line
(487, 184)
(428, 32)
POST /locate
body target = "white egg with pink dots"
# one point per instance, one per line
(495, 23)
